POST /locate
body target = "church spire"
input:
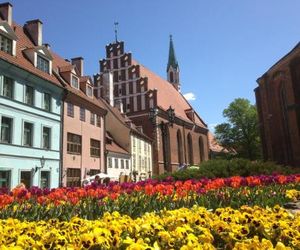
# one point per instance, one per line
(172, 57)
(172, 67)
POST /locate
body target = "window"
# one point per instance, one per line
(5, 44)
(109, 162)
(46, 137)
(139, 146)
(29, 95)
(127, 164)
(70, 109)
(5, 179)
(116, 163)
(28, 134)
(8, 87)
(73, 177)
(133, 162)
(26, 178)
(6, 130)
(47, 102)
(75, 82)
(92, 118)
(98, 121)
(73, 143)
(82, 114)
(45, 179)
(122, 164)
(42, 64)
(95, 148)
(140, 162)
(89, 90)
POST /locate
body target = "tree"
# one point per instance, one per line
(240, 133)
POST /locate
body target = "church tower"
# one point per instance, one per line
(173, 68)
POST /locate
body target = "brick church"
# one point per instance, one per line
(179, 134)
(278, 105)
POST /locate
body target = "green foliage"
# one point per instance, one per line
(221, 168)
(241, 131)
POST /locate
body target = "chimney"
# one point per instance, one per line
(47, 45)
(139, 128)
(6, 12)
(78, 62)
(34, 29)
(119, 106)
(108, 88)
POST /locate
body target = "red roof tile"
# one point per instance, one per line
(167, 95)
(114, 147)
(20, 59)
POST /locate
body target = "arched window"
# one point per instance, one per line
(285, 124)
(166, 146)
(201, 149)
(190, 147)
(179, 147)
(171, 77)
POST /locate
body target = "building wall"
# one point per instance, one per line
(277, 98)
(117, 170)
(141, 157)
(15, 157)
(84, 161)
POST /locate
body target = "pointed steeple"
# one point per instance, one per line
(172, 57)
(172, 67)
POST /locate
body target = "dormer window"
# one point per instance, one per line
(75, 82)
(42, 64)
(6, 44)
(89, 90)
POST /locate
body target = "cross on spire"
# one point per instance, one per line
(116, 30)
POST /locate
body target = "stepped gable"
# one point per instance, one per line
(20, 60)
(167, 95)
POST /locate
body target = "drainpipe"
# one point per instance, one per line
(61, 171)
(184, 144)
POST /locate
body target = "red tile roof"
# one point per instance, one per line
(114, 147)
(167, 95)
(214, 145)
(21, 61)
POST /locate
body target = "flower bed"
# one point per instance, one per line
(134, 199)
(195, 228)
(223, 213)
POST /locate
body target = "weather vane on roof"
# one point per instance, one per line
(116, 30)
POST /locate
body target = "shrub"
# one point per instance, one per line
(221, 168)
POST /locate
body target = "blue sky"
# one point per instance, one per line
(222, 46)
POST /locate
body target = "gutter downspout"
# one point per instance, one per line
(62, 111)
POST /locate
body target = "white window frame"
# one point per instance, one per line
(12, 126)
(42, 137)
(75, 77)
(23, 131)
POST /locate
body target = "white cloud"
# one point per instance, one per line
(211, 127)
(190, 96)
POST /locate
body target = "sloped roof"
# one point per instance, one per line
(114, 147)
(20, 59)
(214, 145)
(167, 95)
(123, 119)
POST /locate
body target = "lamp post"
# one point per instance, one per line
(42, 161)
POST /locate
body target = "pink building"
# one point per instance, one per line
(83, 125)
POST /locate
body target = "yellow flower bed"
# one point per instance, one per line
(196, 228)
(293, 194)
